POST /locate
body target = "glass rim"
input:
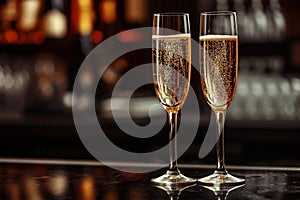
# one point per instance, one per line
(171, 14)
(218, 13)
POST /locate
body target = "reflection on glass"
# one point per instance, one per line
(261, 21)
(278, 20)
(264, 21)
(222, 192)
(174, 191)
(263, 92)
(13, 86)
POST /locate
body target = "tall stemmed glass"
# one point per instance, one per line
(171, 58)
(219, 74)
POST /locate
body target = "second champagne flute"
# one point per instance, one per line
(171, 58)
(219, 74)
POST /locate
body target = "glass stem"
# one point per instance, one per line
(173, 145)
(220, 119)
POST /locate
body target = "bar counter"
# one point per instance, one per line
(38, 179)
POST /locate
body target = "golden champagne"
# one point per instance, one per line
(172, 68)
(219, 60)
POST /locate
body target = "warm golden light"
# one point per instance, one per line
(82, 18)
(108, 11)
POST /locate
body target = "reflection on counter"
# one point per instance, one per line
(91, 181)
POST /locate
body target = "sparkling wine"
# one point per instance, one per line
(219, 62)
(172, 68)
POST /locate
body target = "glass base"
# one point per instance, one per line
(173, 179)
(221, 180)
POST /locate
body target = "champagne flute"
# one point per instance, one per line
(219, 74)
(171, 63)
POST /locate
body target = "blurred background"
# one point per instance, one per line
(43, 43)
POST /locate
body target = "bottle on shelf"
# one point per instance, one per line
(54, 21)
(8, 19)
(108, 14)
(29, 13)
(82, 23)
(136, 13)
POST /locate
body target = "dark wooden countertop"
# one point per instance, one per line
(90, 180)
